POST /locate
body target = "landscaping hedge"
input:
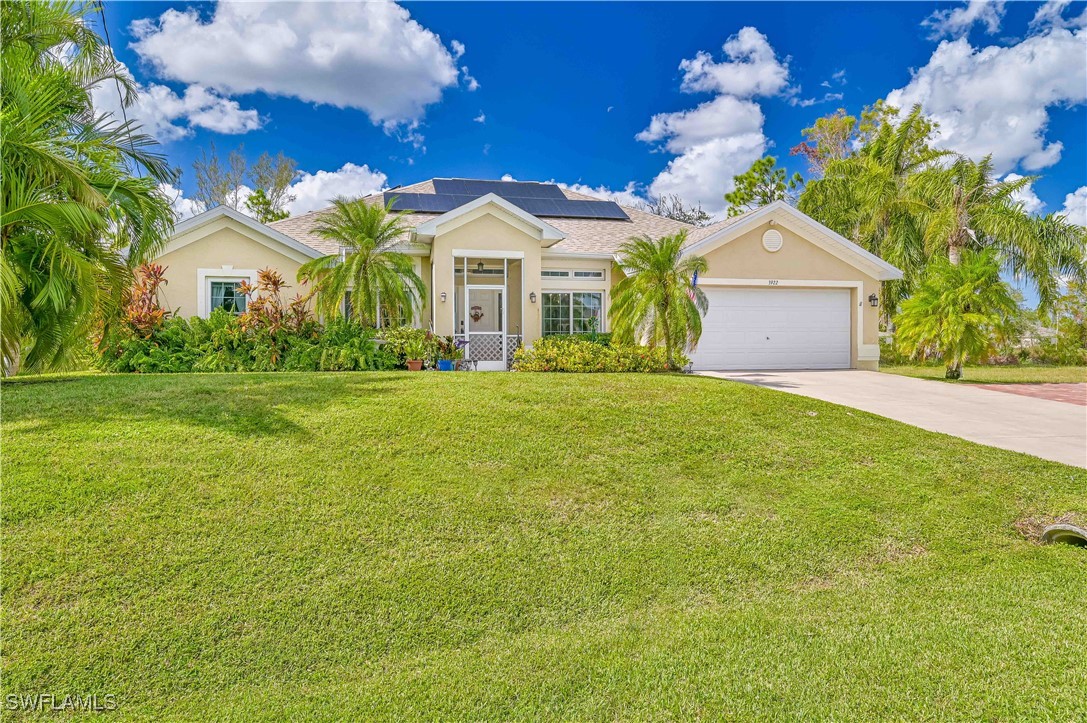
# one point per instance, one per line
(581, 354)
(221, 343)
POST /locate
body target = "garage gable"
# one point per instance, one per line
(778, 241)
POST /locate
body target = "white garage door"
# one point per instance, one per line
(774, 328)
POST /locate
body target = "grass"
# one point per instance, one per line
(518, 546)
(1025, 374)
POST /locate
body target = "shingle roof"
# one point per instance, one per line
(583, 235)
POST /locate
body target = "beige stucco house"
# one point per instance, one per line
(508, 262)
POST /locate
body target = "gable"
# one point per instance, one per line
(221, 218)
(798, 258)
(487, 232)
(806, 233)
(496, 207)
(225, 244)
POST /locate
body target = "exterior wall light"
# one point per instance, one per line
(443, 297)
(873, 300)
(532, 296)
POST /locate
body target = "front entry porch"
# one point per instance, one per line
(488, 308)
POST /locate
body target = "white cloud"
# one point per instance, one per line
(481, 118)
(1051, 15)
(369, 56)
(312, 191)
(1026, 195)
(957, 22)
(722, 137)
(808, 102)
(457, 48)
(168, 116)
(627, 196)
(996, 99)
(752, 68)
(723, 116)
(703, 175)
(315, 190)
(471, 83)
(183, 207)
(1075, 206)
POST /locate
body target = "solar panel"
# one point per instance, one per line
(424, 202)
(505, 189)
(543, 207)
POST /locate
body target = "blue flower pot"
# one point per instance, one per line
(446, 365)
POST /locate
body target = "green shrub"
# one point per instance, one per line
(401, 340)
(344, 346)
(891, 355)
(222, 343)
(573, 354)
(164, 350)
(596, 337)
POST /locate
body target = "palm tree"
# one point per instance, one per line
(955, 310)
(910, 204)
(964, 207)
(865, 196)
(74, 218)
(659, 300)
(381, 281)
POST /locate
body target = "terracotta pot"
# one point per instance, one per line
(415, 365)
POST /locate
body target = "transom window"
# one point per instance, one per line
(572, 312)
(227, 295)
(566, 274)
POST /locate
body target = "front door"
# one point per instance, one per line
(485, 326)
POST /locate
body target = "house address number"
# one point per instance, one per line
(773, 282)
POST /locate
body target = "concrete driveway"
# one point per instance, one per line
(1043, 427)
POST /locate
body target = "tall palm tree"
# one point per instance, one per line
(955, 310)
(963, 206)
(866, 197)
(910, 204)
(381, 280)
(75, 219)
(658, 301)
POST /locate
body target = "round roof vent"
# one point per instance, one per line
(771, 240)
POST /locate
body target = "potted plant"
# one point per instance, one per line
(415, 350)
(450, 350)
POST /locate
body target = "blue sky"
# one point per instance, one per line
(569, 91)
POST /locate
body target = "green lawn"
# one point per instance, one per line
(1024, 374)
(517, 546)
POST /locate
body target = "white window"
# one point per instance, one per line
(226, 294)
(572, 312)
(220, 289)
(566, 274)
(400, 318)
